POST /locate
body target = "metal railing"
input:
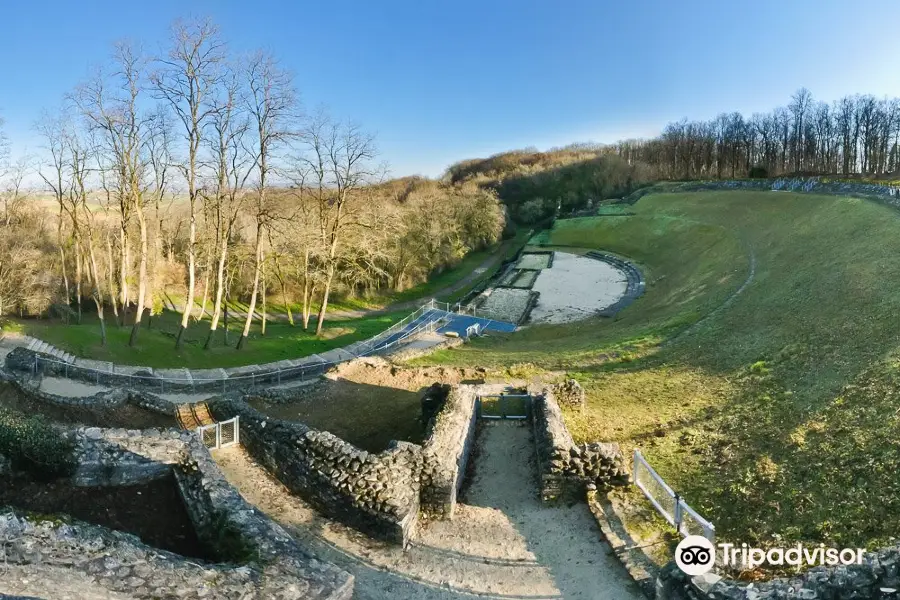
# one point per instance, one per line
(670, 505)
(220, 435)
(397, 334)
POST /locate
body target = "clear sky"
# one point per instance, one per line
(443, 81)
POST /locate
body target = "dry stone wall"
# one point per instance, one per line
(111, 398)
(877, 578)
(566, 469)
(448, 444)
(375, 493)
(81, 560)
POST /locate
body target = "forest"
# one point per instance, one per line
(195, 178)
(856, 136)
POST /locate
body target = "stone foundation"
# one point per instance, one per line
(377, 494)
(110, 398)
(566, 468)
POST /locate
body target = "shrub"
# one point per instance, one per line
(758, 172)
(32, 445)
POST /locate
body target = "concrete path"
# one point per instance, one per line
(502, 542)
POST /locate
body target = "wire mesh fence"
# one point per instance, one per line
(220, 435)
(669, 504)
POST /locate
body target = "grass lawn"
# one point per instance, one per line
(367, 416)
(777, 414)
(156, 344)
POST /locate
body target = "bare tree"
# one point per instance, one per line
(14, 192)
(113, 111)
(272, 106)
(53, 128)
(232, 166)
(189, 74)
(339, 159)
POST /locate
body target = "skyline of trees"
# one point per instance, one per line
(854, 135)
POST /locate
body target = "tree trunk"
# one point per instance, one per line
(256, 276)
(78, 274)
(306, 291)
(205, 294)
(97, 294)
(123, 273)
(264, 315)
(321, 320)
(62, 259)
(142, 278)
(189, 303)
(287, 305)
(220, 289)
(110, 277)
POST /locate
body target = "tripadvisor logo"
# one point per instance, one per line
(696, 555)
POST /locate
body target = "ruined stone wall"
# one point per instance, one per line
(110, 398)
(446, 451)
(100, 462)
(566, 468)
(375, 493)
(88, 561)
(878, 577)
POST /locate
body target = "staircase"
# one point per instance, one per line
(192, 416)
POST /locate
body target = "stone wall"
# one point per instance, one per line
(100, 462)
(375, 493)
(566, 468)
(110, 398)
(448, 443)
(569, 393)
(81, 558)
(877, 578)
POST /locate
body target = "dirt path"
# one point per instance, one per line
(501, 544)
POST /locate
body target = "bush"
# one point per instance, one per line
(758, 172)
(32, 445)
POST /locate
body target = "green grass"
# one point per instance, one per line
(777, 414)
(368, 416)
(156, 344)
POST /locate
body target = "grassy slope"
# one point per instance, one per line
(777, 414)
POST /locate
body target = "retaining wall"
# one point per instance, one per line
(566, 468)
(448, 444)
(375, 493)
(111, 398)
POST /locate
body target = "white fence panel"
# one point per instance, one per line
(670, 505)
(220, 435)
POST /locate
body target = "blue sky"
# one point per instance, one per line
(443, 81)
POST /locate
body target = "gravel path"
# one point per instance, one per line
(502, 542)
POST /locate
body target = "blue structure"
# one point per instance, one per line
(444, 322)
(459, 323)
